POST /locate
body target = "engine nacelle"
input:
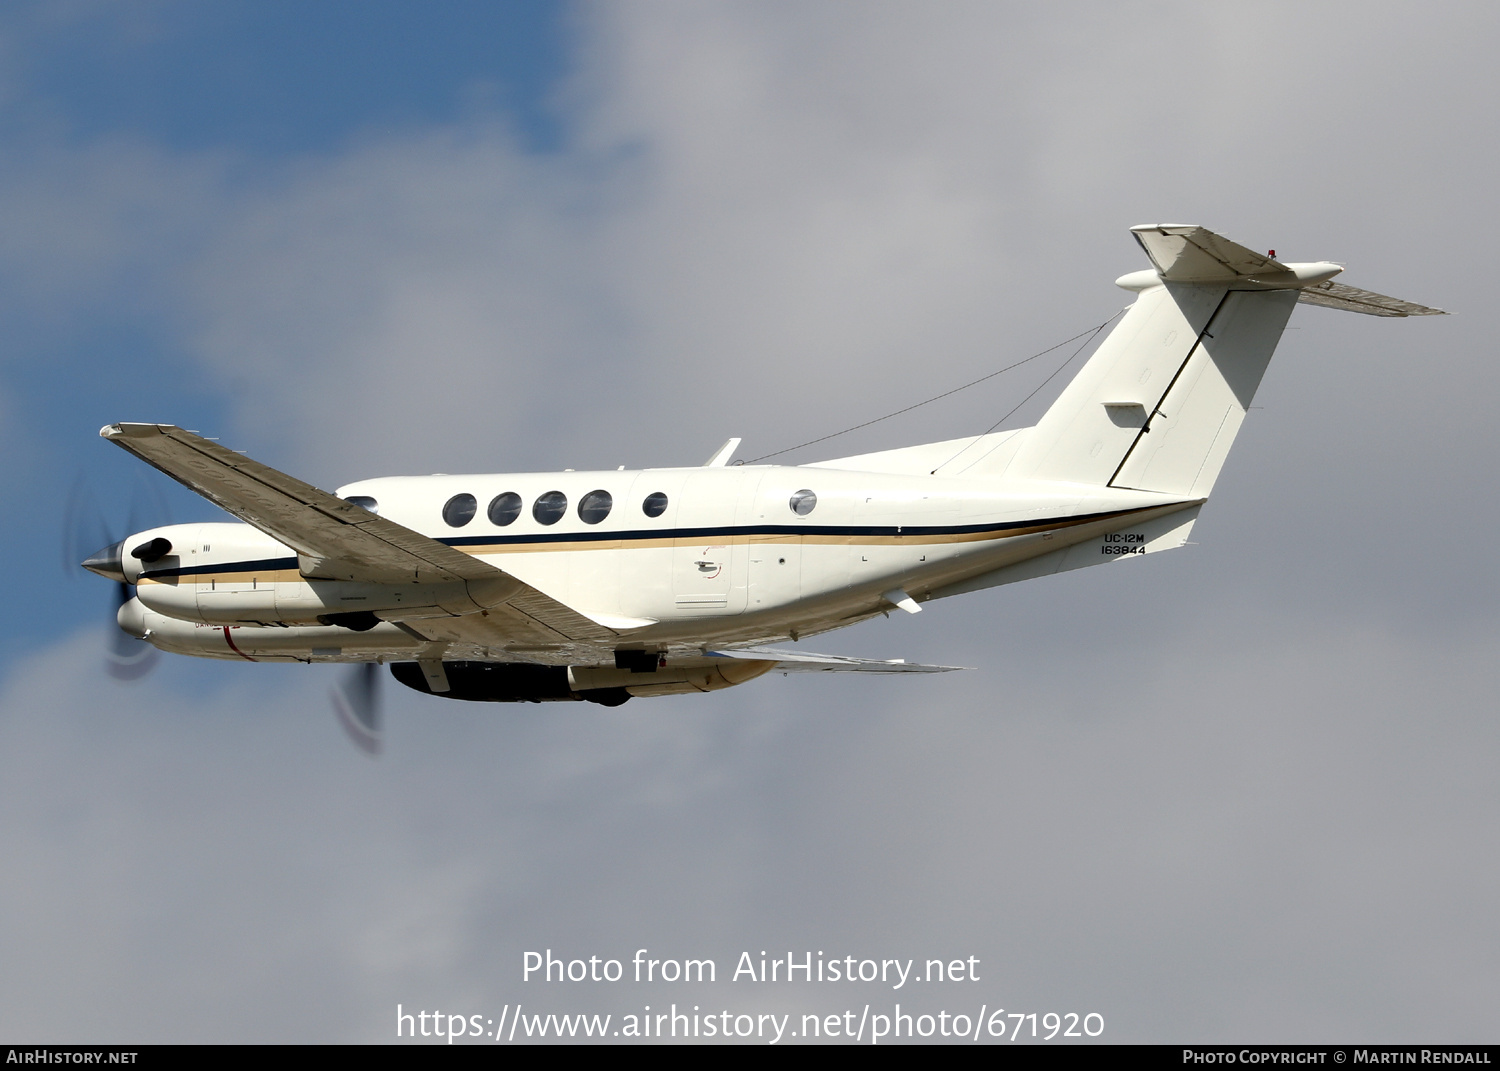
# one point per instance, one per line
(233, 574)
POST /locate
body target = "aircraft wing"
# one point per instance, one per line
(337, 540)
(808, 662)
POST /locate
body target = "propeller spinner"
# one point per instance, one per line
(128, 657)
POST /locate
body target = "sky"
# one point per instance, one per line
(1243, 792)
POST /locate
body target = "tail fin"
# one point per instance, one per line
(1158, 405)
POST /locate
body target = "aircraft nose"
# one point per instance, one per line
(106, 563)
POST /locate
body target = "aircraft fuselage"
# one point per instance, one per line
(733, 555)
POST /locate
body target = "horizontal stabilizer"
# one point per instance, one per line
(807, 662)
(1332, 295)
(1191, 254)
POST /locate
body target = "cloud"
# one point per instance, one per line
(100, 226)
(1237, 792)
(1229, 828)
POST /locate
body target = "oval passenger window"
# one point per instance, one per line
(802, 502)
(595, 507)
(550, 507)
(655, 504)
(364, 502)
(459, 510)
(504, 509)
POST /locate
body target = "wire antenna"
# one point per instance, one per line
(1090, 333)
(1085, 345)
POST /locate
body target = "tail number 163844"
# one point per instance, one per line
(1124, 543)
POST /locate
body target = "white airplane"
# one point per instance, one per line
(601, 586)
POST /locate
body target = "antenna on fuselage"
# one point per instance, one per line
(1090, 333)
(723, 454)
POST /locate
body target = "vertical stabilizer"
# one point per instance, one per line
(1157, 406)
(1182, 446)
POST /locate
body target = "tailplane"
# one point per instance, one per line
(1158, 405)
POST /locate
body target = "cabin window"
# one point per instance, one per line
(459, 510)
(595, 507)
(504, 509)
(655, 504)
(550, 507)
(802, 502)
(362, 501)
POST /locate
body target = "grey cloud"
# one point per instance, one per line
(1229, 827)
(1237, 791)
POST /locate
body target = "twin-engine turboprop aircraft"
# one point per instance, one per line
(601, 586)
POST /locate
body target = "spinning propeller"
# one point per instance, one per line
(127, 657)
(356, 701)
